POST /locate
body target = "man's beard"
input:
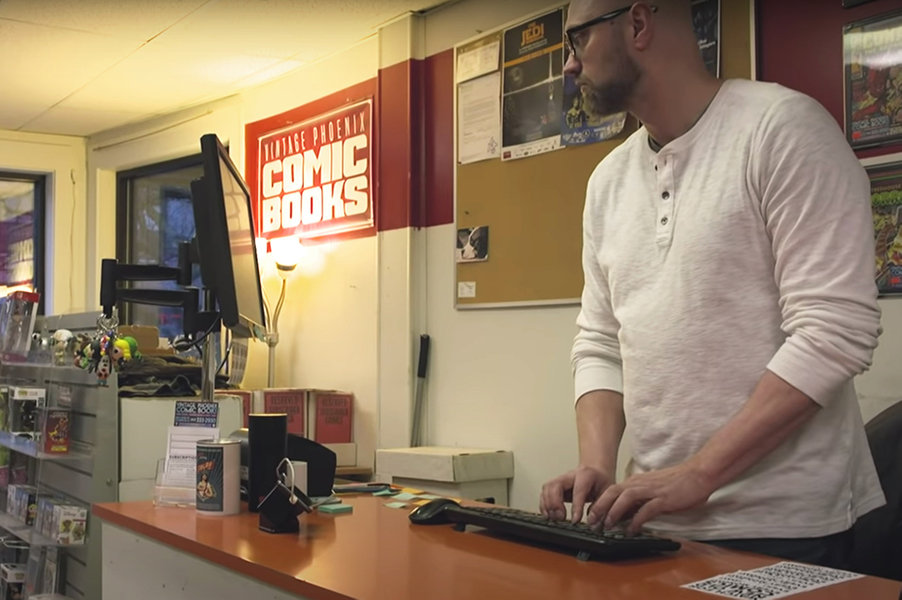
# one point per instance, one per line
(613, 96)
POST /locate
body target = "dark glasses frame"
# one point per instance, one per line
(568, 35)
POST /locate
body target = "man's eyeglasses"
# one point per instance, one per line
(575, 42)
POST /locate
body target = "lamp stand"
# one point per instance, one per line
(272, 330)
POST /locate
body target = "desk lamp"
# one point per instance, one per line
(285, 257)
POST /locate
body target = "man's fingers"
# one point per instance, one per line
(602, 505)
(625, 504)
(553, 500)
(580, 490)
(647, 512)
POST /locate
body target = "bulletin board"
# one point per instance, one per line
(533, 206)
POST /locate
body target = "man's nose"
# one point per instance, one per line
(573, 67)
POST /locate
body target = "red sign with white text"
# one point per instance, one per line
(314, 178)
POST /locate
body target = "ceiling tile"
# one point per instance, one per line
(76, 121)
(162, 77)
(136, 19)
(14, 114)
(44, 65)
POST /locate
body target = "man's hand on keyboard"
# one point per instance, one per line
(645, 496)
(581, 486)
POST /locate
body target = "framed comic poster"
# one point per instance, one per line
(873, 80)
(886, 205)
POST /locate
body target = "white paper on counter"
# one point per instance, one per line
(478, 61)
(181, 454)
(479, 119)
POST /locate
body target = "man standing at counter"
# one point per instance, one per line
(729, 301)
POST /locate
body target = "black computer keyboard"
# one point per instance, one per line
(604, 545)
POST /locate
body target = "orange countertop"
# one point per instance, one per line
(375, 553)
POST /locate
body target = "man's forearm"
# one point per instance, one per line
(600, 423)
(774, 411)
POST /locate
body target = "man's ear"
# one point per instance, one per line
(643, 24)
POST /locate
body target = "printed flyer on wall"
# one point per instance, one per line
(533, 86)
(873, 65)
(886, 205)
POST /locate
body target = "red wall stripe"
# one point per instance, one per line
(439, 138)
(800, 46)
(398, 123)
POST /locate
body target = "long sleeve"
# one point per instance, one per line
(816, 206)
(595, 357)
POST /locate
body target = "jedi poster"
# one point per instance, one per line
(533, 86)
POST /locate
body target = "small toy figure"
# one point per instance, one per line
(124, 349)
(62, 343)
(104, 369)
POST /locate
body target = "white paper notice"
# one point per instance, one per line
(181, 454)
(479, 119)
(479, 61)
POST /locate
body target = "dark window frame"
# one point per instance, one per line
(40, 228)
(124, 212)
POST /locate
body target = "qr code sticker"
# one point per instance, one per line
(733, 586)
(775, 581)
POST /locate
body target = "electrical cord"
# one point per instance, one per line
(225, 358)
(183, 345)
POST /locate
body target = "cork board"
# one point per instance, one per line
(533, 206)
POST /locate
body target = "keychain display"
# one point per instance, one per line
(106, 351)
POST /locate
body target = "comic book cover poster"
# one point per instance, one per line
(873, 80)
(532, 86)
(706, 22)
(582, 126)
(886, 203)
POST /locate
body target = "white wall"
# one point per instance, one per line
(329, 320)
(62, 158)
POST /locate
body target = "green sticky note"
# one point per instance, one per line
(386, 493)
(429, 497)
(395, 505)
(406, 496)
(334, 509)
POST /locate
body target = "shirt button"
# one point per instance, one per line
(664, 221)
(666, 195)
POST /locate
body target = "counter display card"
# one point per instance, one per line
(706, 22)
(181, 454)
(196, 414)
(873, 80)
(532, 86)
(886, 206)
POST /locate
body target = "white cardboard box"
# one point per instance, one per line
(458, 472)
(345, 454)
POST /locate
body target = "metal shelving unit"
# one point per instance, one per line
(89, 473)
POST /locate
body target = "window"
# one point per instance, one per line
(153, 216)
(22, 210)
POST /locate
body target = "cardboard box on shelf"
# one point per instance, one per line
(12, 581)
(331, 417)
(291, 401)
(55, 430)
(69, 524)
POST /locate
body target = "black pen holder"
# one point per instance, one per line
(279, 511)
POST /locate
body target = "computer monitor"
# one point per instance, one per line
(226, 242)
